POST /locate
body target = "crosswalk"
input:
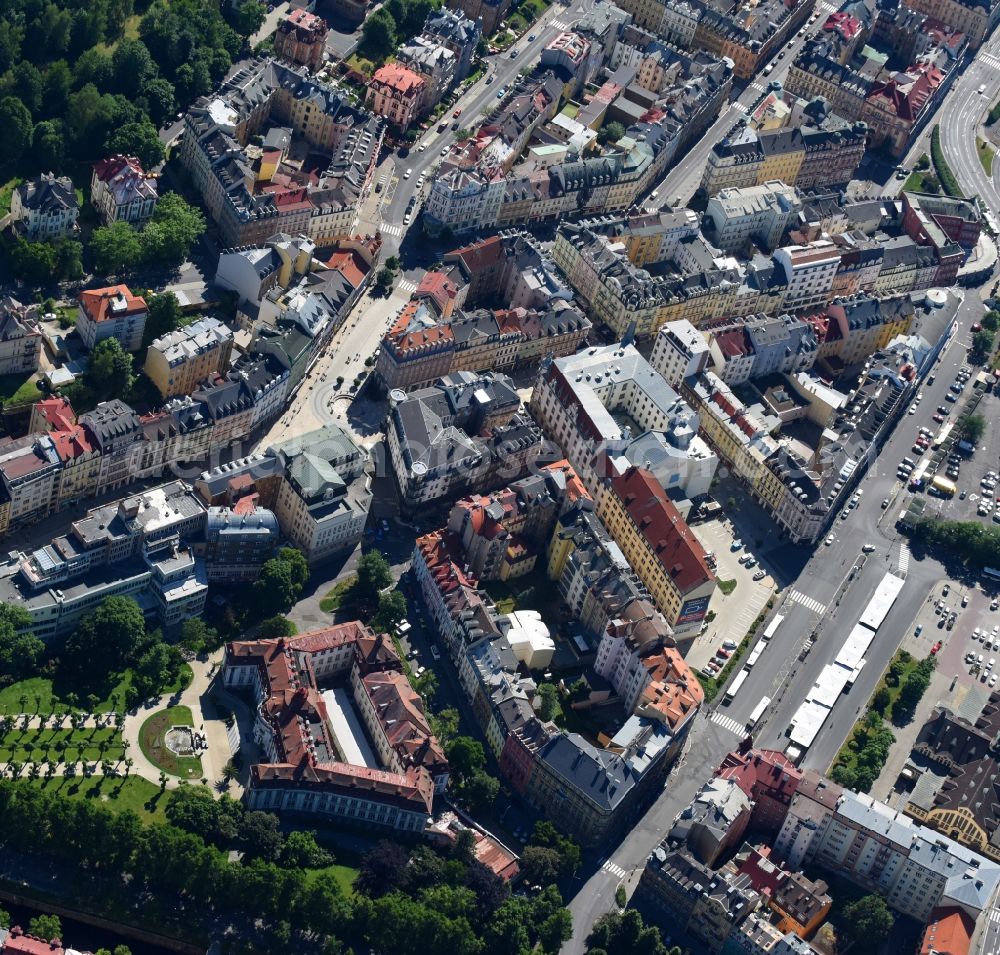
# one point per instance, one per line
(904, 557)
(995, 915)
(728, 723)
(560, 25)
(759, 87)
(389, 228)
(405, 285)
(808, 602)
(742, 107)
(613, 868)
(990, 60)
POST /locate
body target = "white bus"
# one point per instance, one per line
(772, 627)
(734, 687)
(758, 712)
(755, 653)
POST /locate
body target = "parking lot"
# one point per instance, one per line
(733, 614)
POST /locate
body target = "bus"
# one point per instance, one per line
(944, 486)
(758, 711)
(991, 573)
(755, 653)
(734, 687)
(772, 627)
(917, 477)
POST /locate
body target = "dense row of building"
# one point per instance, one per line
(665, 100)
(496, 304)
(642, 271)
(726, 896)
(165, 545)
(274, 150)
(590, 790)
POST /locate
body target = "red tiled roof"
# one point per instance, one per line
(71, 444)
(96, 303)
(949, 932)
(349, 265)
(399, 78)
(20, 943)
(663, 528)
(57, 412)
(106, 169)
(480, 255)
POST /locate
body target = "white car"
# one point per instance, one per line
(867, 549)
(408, 173)
(829, 540)
(421, 147)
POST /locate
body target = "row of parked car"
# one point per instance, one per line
(722, 655)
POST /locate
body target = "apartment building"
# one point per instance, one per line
(29, 469)
(180, 360)
(44, 208)
(660, 547)
(254, 192)
(975, 20)
(20, 337)
(122, 191)
(915, 869)
(435, 63)
(609, 410)
(456, 32)
(397, 94)
(760, 214)
(465, 432)
(301, 38)
(487, 12)
(238, 540)
(112, 312)
(760, 345)
(139, 546)
(679, 351)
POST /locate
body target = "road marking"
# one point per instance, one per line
(559, 25)
(614, 869)
(728, 723)
(808, 602)
(406, 285)
(390, 229)
(760, 87)
(741, 107)
(904, 557)
(990, 60)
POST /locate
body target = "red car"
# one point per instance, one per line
(457, 113)
(723, 652)
(939, 418)
(935, 648)
(976, 327)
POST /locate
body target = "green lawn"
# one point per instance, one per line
(42, 745)
(18, 389)
(338, 595)
(727, 586)
(6, 191)
(153, 748)
(141, 796)
(37, 696)
(343, 875)
(986, 155)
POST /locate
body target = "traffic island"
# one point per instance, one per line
(168, 740)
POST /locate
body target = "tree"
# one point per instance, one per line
(913, 688)
(48, 145)
(611, 133)
(480, 791)
(550, 708)
(991, 321)
(21, 653)
(378, 35)
(46, 927)
(109, 371)
(160, 100)
(391, 610)
(301, 851)
(260, 835)
(982, 347)
(867, 920)
(196, 635)
(131, 66)
(276, 626)
(625, 932)
(105, 639)
(374, 575)
(137, 139)
(33, 262)
(164, 316)
(251, 17)
(973, 427)
(116, 248)
(466, 757)
(383, 279)
(545, 835)
(540, 866)
(4, 918)
(173, 230)
(15, 120)
(68, 259)
(280, 581)
(156, 669)
(382, 869)
(444, 724)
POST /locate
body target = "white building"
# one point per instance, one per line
(44, 208)
(529, 639)
(122, 191)
(679, 351)
(756, 213)
(607, 408)
(809, 271)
